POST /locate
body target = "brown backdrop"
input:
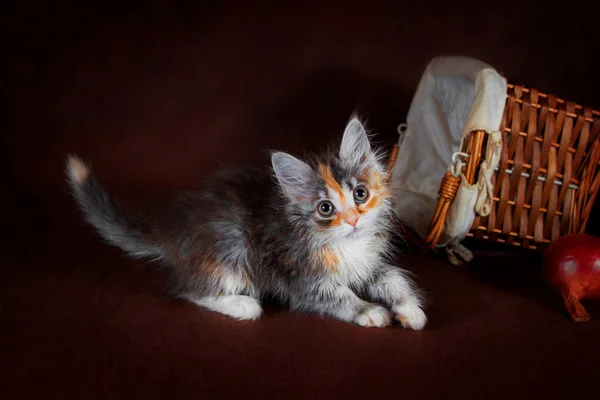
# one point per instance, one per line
(154, 95)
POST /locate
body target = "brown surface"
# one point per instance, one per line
(154, 97)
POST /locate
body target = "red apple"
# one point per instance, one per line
(571, 266)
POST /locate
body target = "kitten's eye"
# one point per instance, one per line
(325, 209)
(361, 194)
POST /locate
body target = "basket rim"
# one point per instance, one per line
(527, 89)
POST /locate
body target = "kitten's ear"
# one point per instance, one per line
(295, 177)
(355, 143)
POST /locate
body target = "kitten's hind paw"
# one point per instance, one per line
(411, 316)
(244, 307)
(235, 306)
(374, 316)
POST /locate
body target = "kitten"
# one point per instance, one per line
(315, 235)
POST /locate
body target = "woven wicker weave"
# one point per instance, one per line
(548, 174)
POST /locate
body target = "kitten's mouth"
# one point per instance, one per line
(354, 232)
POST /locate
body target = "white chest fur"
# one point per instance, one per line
(356, 258)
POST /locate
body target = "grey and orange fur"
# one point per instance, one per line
(314, 234)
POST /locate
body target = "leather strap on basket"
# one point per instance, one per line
(447, 192)
(449, 187)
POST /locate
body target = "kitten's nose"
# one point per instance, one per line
(352, 219)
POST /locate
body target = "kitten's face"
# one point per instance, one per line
(349, 202)
(342, 196)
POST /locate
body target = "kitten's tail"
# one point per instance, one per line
(113, 224)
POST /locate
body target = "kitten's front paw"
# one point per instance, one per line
(410, 315)
(374, 315)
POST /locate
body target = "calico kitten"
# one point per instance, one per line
(314, 234)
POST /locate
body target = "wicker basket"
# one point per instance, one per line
(548, 174)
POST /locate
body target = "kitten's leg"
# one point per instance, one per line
(223, 283)
(231, 294)
(340, 302)
(392, 287)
